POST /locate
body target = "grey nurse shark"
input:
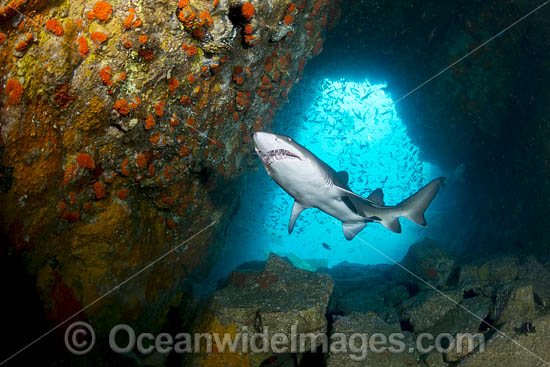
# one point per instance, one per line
(314, 184)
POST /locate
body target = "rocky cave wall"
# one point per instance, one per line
(125, 129)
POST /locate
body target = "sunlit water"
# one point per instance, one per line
(352, 127)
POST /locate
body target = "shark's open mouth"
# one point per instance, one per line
(276, 155)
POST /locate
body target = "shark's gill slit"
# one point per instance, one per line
(353, 127)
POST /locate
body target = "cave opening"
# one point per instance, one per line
(456, 125)
(353, 125)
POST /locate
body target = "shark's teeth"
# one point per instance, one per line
(278, 154)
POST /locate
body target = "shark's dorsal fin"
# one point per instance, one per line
(344, 176)
(377, 196)
(296, 210)
(351, 229)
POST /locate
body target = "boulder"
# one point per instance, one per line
(434, 359)
(364, 327)
(428, 262)
(465, 318)
(360, 301)
(486, 278)
(515, 304)
(427, 308)
(363, 301)
(460, 322)
(359, 288)
(501, 270)
(468, 275)
(515, 347)
(395, 295)
(279, 299)
(533, 272)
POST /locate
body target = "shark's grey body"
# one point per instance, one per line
(314, 184)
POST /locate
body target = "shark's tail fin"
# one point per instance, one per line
(373, 209)
(414, 206)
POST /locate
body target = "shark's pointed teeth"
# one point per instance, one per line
(278, 154)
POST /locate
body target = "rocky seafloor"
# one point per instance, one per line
(505, 300)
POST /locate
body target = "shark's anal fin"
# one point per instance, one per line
(392, 224)
(351, 229)
(296, 210)
(377, 197)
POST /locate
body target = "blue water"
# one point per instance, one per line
(352, 126)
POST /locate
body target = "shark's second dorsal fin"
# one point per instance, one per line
(344, 176)
(296, 210)
(377, 197)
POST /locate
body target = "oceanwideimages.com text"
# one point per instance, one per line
(80, 339)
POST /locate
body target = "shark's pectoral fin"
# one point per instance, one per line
(351, 229)
(377, 196)
(296, 210)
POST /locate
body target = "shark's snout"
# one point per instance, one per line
(261, 138)
(256, 137)
(262, 142)
(272, 147)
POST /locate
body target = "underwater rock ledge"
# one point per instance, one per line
(126, 129)
(500, 301)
